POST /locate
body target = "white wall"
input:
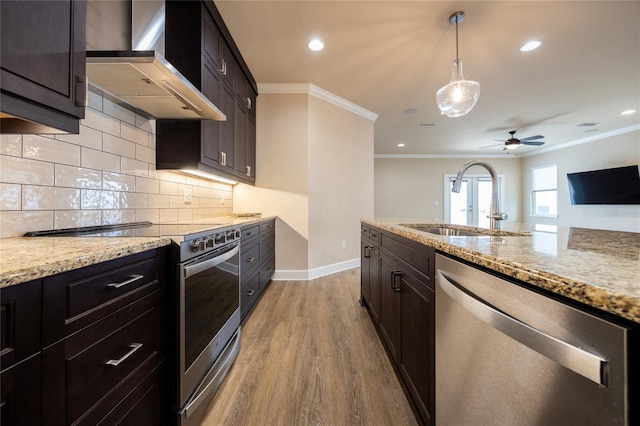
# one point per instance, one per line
(410, 187)
(314, 170)
(617, 151)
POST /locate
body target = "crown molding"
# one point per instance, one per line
(313, 90)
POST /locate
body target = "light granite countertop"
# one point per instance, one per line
(24, 259)
(595, 267)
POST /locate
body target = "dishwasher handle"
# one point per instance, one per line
(578, 360)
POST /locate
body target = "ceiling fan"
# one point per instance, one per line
(513, 142)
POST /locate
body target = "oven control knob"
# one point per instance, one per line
(231, 236)
(198, 245)
(220, 239)
(209, 242)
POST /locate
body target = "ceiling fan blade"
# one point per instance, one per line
(532, 138)
(490, 146)
(531, 143)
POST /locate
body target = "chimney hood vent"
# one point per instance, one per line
(146, 80)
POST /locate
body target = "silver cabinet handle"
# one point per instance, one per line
(116, 362)
(582, 362)
(248, 170)
(223, 67)
(250, 259)
(250, 293)
(223, 158)
(82, 91)
(132, 278)
(249, 103)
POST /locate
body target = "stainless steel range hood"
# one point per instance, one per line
(130, 64)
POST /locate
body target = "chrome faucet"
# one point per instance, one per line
(494, 213)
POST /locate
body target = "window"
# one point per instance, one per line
(544, 191)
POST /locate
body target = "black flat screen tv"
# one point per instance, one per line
(620, 185)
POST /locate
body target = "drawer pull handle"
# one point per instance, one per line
(132, 278)
(251, 259)
(250, 293)
(116, 362)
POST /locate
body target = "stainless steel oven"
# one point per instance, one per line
(208, 319)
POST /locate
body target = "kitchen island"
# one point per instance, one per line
(597, 268)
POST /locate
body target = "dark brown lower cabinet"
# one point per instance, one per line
(21, 393)
(257, 263)
(402, 279)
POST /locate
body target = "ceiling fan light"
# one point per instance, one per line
(459, 96)
(512, 144)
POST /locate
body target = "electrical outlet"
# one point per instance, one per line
(187, 196)
(344, 245)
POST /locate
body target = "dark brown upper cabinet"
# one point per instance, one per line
(42, 66)
(199, 45)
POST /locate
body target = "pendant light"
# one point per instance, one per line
(459, 96)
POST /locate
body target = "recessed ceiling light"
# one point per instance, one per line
(628, 112)
(587, 124)
(530, 45)
(316, 44)
(400, 145)
(426, 124)
(410, 111)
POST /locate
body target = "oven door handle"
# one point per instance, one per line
(210, 263)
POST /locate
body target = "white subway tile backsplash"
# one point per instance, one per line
(99, 121)
(148, 215)
(74, 218)
(118, 182)
(49, 198)
(134, 167)
(104, 175)
(97, 199)
(119, 146)
(150, 186)
(91, 138)
(77, 177)
(132, 200)
(110, 217)
(11, 145)
(16, 223)
(168, 215)
(100, 160)
(145, 154)
(11, 196)
(51, 150)
(170, 188)
(157, 201)
(24, 170)
(134, 134)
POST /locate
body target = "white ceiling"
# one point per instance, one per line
(388, 56)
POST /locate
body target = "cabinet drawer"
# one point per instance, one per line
(266, 272)
(415, 255)
(103, 355)
(267, 247)
(249, 258)
(374, 235)
(269, 226)
(20, 322)
(75, 299)
(249, 294)
(250, 232)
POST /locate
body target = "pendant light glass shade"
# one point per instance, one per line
(459, 96)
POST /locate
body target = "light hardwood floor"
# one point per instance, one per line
(311, 356)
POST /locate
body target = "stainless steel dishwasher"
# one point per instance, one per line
(506, 355)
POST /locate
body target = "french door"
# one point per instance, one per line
(472, 204)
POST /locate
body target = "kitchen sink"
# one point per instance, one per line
(462, 231)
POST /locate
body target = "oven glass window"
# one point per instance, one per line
(211, 297)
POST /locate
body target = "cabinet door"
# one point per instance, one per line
(365, 277)
(43, 53)
(388, 318)
(21, 402)
(227, 128)
(374, 282)
(211, 86)
(20, 322)
(417, 352)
